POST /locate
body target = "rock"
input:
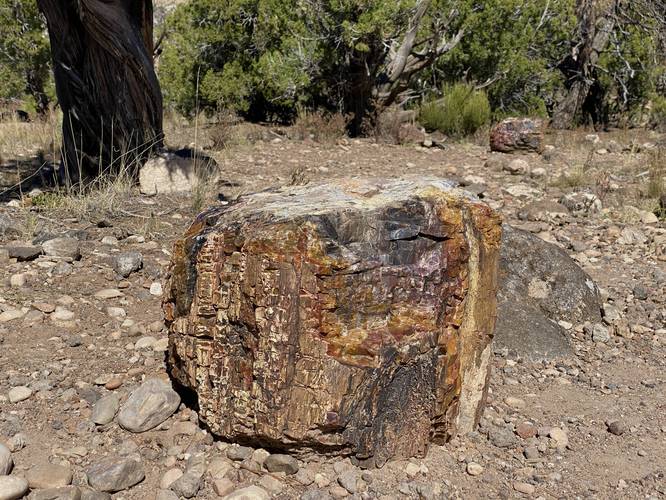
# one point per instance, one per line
(560, 437)
(610, 313)
(117, 313)
(12, 487)
(582, 203)
(517, 134)
(248, 493)
(169, 477)
(502, 437)
(127, 263)
(617, 427)
(23, 252)
(517, 167)
(145, 343)
(526, 430)
(6, 461)
(281, 463)
(539, 286)
(223, 487)
(364, 253)
(515, 403)
(474, 469)
(61, 493)
(177, 172)
(49, 476)
(114, 474)
(218, 467)
(271, 484)
(65, 248)
(105, 409)
(166, 495)
(239, 453)
(87, 494)
(599, 333)
(148, 406)
(156, 289)
(19, 393)
(640, 292)
(350, 479)
(11, 315)
(9, 228)
(109, 293)
(191, 481)
(525, 488)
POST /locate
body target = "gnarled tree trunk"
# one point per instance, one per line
(106, 83)
(597, 19)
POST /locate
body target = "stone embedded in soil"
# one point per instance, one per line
(617, 427)
(127, 262)
(281, 463)
(60, 493)
(6, 461)
(239, 453)
(474, 469)
(248, 493)
(19, 393)
(336, 312)
(105, 409)
(114, 474)
(525, 488)
(148, 406)
(109, 293)
(12, 487)
(191, 481)
(169, 477)
(65, 248)
(49, 476)
(24, 252)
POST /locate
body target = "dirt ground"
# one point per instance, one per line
(66, 346)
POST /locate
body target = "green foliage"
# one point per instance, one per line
(517, 45)
(267, 58)
(25, 63)
(461, 112)
(658, 111)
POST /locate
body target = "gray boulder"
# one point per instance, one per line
(115, 474)
(539, 285)
(148, 406)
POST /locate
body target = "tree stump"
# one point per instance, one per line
(517, 134)
(351, 318)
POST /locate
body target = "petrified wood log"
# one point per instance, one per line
(517, 134)
(352, 318)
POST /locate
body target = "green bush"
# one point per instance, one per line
(460, 112)
(25, 62)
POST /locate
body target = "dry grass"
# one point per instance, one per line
(325, 128)
(24, 139)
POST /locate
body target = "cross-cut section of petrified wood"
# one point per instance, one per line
(354, 317)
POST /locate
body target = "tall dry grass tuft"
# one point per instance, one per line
(20, 139)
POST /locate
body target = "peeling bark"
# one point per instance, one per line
(353, 318)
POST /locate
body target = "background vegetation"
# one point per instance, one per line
(264, 60)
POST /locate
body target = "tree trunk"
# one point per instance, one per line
(106, 83)
(595, 28)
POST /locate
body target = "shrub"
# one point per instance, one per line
(658, 112)
(461, 112)
(25, 62)
(320, 126)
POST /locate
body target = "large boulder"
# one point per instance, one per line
(352, 318)
(178, 171)
(540, 285)
(517, 135)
